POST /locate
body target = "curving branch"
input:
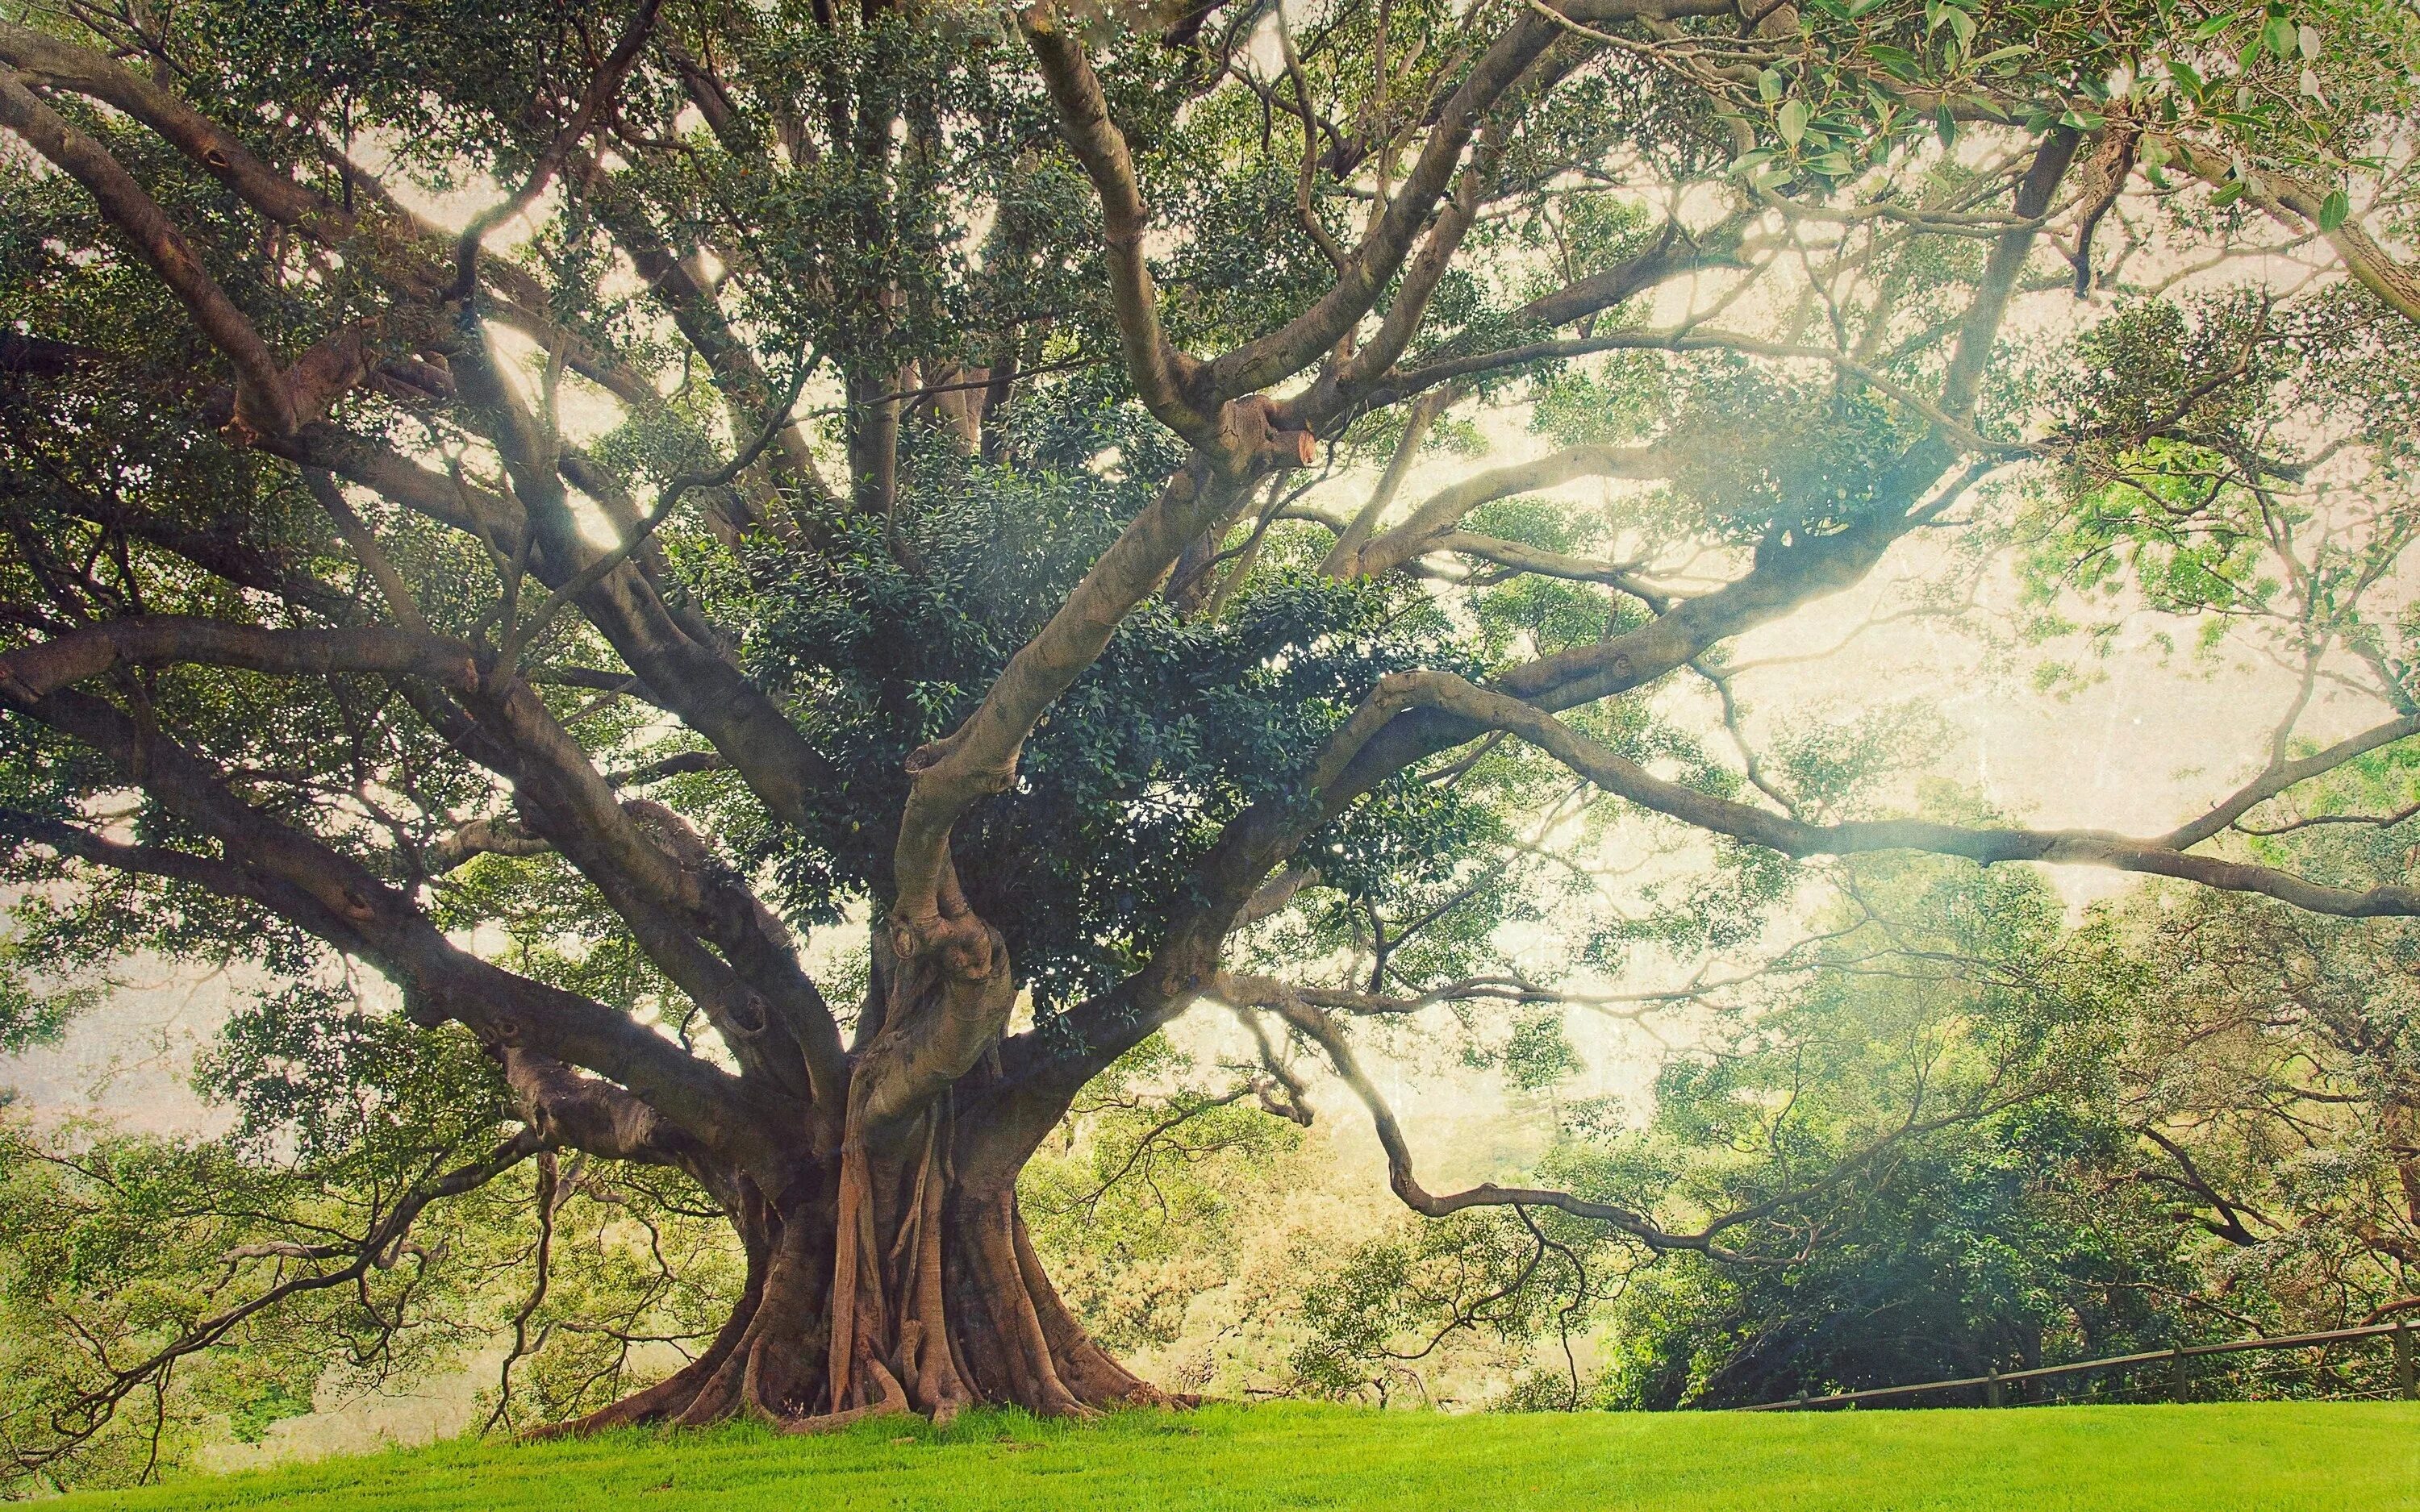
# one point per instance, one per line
(318, 890)
(77, 1419)
(978, 758)
(1353, 534)
(675, 656)
(698, 317)
(1425, 528)
(1519, 990)
(1279, 997)
(62, 65)
(663, 883)
(2293, 199)
(595, 102)
(2280, 776)
(1315, 1023)
(1944, 419)
(1786, 576)
(1618, 775)
(1165, 378)
(1271, 359)
(263, 404)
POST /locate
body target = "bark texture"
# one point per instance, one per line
(894, 1273)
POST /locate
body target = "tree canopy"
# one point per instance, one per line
(526, 521)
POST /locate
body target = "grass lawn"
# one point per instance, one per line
(2205, 1459)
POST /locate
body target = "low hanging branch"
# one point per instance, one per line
(1289, 1004)
(76, 1421)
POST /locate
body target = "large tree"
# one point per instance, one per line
(545, 501)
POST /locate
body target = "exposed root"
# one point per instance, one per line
(885, 1286)
(893, 1403)
(1090, 1371)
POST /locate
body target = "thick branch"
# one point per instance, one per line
(260, 388)
(34, 671)
(1264, 836)
(2284, 194)
(1980, 330)
(1626, 779)
(1162, 375)
(62, 65)
(1674, 253)
(1281, 353)
(1418, 421)
(688, 674)
(980, 757)
(328, 894)
(579, 1112)
(484, 837)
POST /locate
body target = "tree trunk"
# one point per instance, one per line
(889, 1286)
(895, 1275)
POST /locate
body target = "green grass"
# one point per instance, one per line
(2210, 1458)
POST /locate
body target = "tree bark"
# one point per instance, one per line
(893, 1286)
(894, 1274)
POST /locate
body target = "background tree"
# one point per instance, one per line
(911, 459)
(2271, 1077)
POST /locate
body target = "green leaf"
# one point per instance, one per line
(1769, 85)
(1898, 60)
(1793, 121)
(2001, 54)
(2215, 26)
(2228, 193)
(2186, 78)
(2333, 210)
(1961, 24)
(2082, 120)
(2278, 34)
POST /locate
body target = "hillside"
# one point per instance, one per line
(2304, 1457)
